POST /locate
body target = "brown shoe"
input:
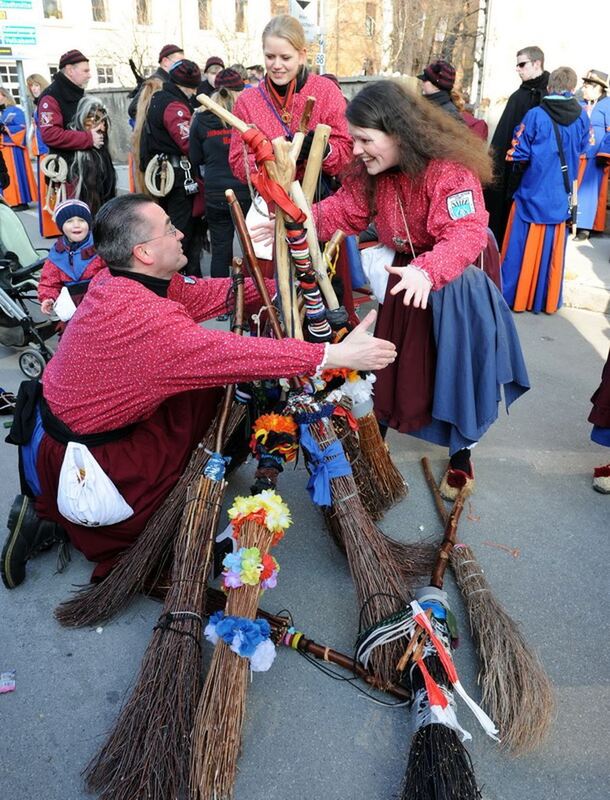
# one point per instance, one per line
(454, 480)
(601, 479)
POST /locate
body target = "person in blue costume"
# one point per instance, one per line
(594, 169)
(533, 254)
(22, 188)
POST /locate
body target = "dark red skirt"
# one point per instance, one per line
(600, 413)
(144, 466)
(404, 391)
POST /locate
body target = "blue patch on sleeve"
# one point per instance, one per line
(461, 204)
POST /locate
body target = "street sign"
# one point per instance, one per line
(17, 34)
(306, 11)
(320, 59)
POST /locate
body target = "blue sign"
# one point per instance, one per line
(17, 34)
(22, 4)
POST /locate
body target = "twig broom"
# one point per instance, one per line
(515, 688)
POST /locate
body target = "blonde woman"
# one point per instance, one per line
(209, 155)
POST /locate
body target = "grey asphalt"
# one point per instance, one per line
(536, 526)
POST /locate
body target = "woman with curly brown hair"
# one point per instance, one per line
(418, 173)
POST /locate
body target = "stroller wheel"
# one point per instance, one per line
(31, 363)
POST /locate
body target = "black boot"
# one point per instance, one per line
(28, 535)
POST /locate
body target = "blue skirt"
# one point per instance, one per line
(478, 360)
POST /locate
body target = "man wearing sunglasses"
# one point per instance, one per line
(529, 65)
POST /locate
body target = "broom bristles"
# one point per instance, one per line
(216, 736)
(146, 755)
(516, 690)
(376, 455)
(145, 558)
(380, 589)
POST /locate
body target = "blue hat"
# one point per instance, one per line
(72, 208)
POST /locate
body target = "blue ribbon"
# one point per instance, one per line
(323, 465)
(216, 466)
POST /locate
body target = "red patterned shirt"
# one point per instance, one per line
(443, 208)
(126, 350)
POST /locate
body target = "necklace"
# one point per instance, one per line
(401, 243)
(284, 103)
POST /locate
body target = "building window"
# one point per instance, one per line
(98, 10)
(105, 75)
(10, 80)
(51, 9)
(143, 14)
(240, 15)
(53, 71)
(369, 20)
(204, 15)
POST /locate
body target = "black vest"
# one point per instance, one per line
(67, 95)
(155, 138)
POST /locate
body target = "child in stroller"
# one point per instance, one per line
(20, 266)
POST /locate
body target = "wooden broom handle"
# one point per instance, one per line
(438, 500)
(229, 393)
(334, 243)
(246, 244)
(297, 139)
(225, 116)
(449, 539)
(314, 161)
(216, 600)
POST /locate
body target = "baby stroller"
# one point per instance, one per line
(21, 325)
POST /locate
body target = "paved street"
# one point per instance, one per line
(536, 526)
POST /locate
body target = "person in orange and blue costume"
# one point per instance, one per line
(22, 187)
(533, 253)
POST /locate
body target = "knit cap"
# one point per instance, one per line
(440, 73)
(72, 57)
(71, 208)
(213, 61)
(185, 73)
(229, 79)
(169, 50)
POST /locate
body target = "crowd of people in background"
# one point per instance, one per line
(413, 163)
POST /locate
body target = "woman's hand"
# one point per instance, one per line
(415, 284)
(361, 351)
(47, 306)
(263, 232)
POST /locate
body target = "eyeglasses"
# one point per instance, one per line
(172, 230)
(521, 64)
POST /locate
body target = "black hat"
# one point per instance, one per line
(229, 79)
(72, 57)
(440, 73)
(185, 73)
(169, 50)
(598, 77)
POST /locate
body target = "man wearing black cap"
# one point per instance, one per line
(212, 67)
(168, 55)
(57, 109)
(166, 132)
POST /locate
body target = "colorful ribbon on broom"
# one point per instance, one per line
(274, 441)
(315, 310)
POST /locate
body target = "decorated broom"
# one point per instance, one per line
(515, 688)
(242, 644)
(439, 767)
(147, 753)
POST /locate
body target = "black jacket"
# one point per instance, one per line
(133, 105)
(209, 149)
(155, 137)
(443, 100)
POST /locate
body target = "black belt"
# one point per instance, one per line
(59, 431)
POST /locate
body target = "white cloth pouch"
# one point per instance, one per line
(374, 261)
(85, 494)
(255, 217)
(64, 305)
